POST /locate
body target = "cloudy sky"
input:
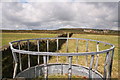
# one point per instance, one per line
(55, 15)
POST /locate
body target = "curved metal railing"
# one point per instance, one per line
(94, 56)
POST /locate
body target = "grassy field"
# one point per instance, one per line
(92, 47)
(7, 37)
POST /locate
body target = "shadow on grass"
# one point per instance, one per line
(7, 59)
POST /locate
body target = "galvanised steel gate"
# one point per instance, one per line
(92, 59)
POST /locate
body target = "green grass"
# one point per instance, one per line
(8, 37)
(113, 39)
(92, 47)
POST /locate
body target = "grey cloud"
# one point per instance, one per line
(54, 15)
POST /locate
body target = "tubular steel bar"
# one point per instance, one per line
(97, 56)
(45, 67)
(77, 51)
(20, 62)
(35, 72)
(15, 70)
(16, 63)
(47, 50)
(38, 48)
(70, 68)
(107, 65)
(57, 49)
(67, 49)
(28, 43)
(86, 51)
(111, 62)
(91, 64)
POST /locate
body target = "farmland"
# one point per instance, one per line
(109, 38)
(113, 39)
(8, 37)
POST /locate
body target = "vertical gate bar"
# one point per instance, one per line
(28, 43)
(38, 48)
(35, 72)
(97, 56)
(70, 68)
(77, 51)
(91, 65)
(15, 70)
(45, 67)
(68, 35)
(20, 62)
(61, 68)
(16, 63)
(67, 45)
(105, 64)
(67, 50)
(108, 65)
(47, 50)
(86, 51)
(111, 62)
(57, 49)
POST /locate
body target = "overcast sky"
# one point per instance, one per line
(55, 15)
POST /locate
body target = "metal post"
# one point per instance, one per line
(28, 43)
(47, 50)
(45, 67)
(67, 45)
(38, 46)
(57, 49)
(97, 56)
(61, 68)
(67, 50)
(77, 51)
(68, 35)
(16, 63)
(105, 66)
(15, 70)
(86, 51)
(35, 72)
(20, 62)
(70, 68)
(91, 64)
(111, 62)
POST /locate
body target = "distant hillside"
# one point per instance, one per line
(66, 30)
